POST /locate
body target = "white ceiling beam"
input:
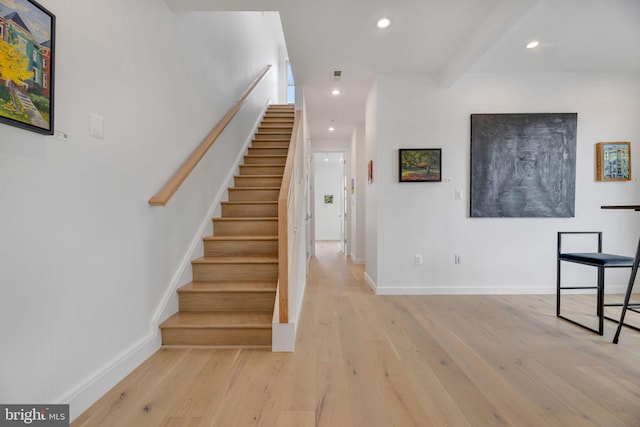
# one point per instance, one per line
(223, 5)
(497, 23)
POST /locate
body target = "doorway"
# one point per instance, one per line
(330, 198)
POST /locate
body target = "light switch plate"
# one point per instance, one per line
(96, 125)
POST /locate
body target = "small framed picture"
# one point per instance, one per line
(613, 161)
(420, 164)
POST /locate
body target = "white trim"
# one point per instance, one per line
(354, 260)
(470, 290)
(370, 281)
(86, 394)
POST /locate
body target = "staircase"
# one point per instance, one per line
(231, 299)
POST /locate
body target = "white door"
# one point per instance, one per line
(329, 194)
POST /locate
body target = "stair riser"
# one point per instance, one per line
(261, 170)
(228, 301)
(216, 336)
(234, 272)
(268, 136)
(279, 122)
(268, 151)
(238, 195)
(257, 181)
(245, 228)
(240, 248)
(286, 126)
(284, 130)
(265, 160)
(280, 114)
(248, 211)
(270, 143)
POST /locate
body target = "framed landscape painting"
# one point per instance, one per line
(27, 51)
(420, 164)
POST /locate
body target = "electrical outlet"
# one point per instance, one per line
(417, 259)
(457, 259)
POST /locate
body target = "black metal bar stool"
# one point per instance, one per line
(601, 261)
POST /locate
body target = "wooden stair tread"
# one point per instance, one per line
(236, 260)
(218, 320)
(258, 176)
(249, 202)
(240, 238)
(260, 165)
(255, 218)
(214, 287)
(253, 188)
(265, 156)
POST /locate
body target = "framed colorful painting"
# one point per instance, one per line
(613, 161)
(27, 52)
(420, 164)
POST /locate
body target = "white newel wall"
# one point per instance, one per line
(513, 255)
(85, 263)
(370, 188)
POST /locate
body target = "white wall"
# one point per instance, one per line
(515, 255)
(371, 192)
(85, 263)
(359, 175)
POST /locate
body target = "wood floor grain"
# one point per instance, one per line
(364, 360)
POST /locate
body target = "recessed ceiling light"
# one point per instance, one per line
(533, 44)
(336, 92)
(383, 23)
(331, 129)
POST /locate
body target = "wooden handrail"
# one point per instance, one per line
(283, 224)
(170, 188)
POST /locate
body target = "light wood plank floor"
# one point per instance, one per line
(365, 360)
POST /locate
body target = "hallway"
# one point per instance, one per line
(365, 360)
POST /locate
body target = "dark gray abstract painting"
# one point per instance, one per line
(523, 165)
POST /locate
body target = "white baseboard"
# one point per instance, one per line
(470, 290)
(83, 396)
(354, 260)
(370, 282)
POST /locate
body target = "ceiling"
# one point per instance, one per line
(444, 38)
